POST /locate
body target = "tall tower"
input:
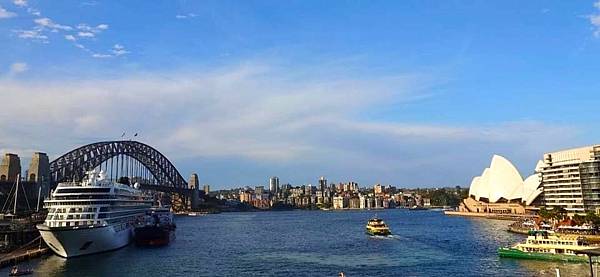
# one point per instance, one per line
(322, 183)
(10, 167)
(274, 185)
(39, 168)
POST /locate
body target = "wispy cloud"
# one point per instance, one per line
(6, 14)
(20, 3)
(34, 34)
(44, 28)
(185, 16)
(115, 51)
(48, 23)
(86, 34)
(595, 19)
(89, 3)
(17, 68)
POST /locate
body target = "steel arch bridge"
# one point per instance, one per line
(160, 172)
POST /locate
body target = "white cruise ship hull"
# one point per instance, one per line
(69, 243)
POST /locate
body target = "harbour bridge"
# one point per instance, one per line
(128, 161)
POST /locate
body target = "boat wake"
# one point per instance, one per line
(389, 237)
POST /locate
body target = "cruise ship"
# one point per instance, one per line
(92, 216)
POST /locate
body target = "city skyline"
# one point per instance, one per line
(419, 93)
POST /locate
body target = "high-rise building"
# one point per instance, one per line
(10, 167)
(308, 189)
(274, 184)
(206, 189)
(322, 183)
(571, 179)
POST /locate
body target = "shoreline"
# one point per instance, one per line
(489, 215)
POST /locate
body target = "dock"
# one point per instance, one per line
(22, 255)
(33, 249)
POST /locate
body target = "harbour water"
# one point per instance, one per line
(317, 243)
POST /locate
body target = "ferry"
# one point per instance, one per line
(157, 230)
(546, 245)
(92, 216)
(376, 227)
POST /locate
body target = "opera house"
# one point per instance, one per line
(501, 189)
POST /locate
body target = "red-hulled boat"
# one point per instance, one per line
(157, 230)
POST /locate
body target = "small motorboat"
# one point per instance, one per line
(16, 271)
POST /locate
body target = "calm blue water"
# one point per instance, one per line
(317, 243)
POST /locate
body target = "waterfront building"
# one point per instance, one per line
(309, 189)
(570, 179)
(206, 189)
(426, 202)
(378, 189)
(274, 185)
(340, 187)
(378, 203)
(259, 190)
(363, 201)
(319, 197)
(245, 196)
(10, 167)
(339, 202)
(354, 202)
(502, 183)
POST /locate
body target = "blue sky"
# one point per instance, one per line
(411, 93)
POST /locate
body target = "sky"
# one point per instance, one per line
(408, 93)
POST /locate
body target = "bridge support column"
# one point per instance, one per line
(194, 185)
(195, 199)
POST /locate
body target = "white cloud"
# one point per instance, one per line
(95, 30)
(6, 14)
(119, 50)
(89, 3)
(595, 19)
(101, 56)
(184, 16)
(20, 3)
(267, 115)
(48, 23)
(86, 34)
(34, 34)
(17, 68)
(70, 37)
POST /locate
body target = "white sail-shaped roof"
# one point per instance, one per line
(483, 185)
(503, 181)
(531, 189)
(474, 188)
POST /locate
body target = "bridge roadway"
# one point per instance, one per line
(182, 191)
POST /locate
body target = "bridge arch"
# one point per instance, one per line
(74, 164)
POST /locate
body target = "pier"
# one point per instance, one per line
(33, 249)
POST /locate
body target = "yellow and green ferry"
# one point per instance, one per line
(544, 245)
(376, 227)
